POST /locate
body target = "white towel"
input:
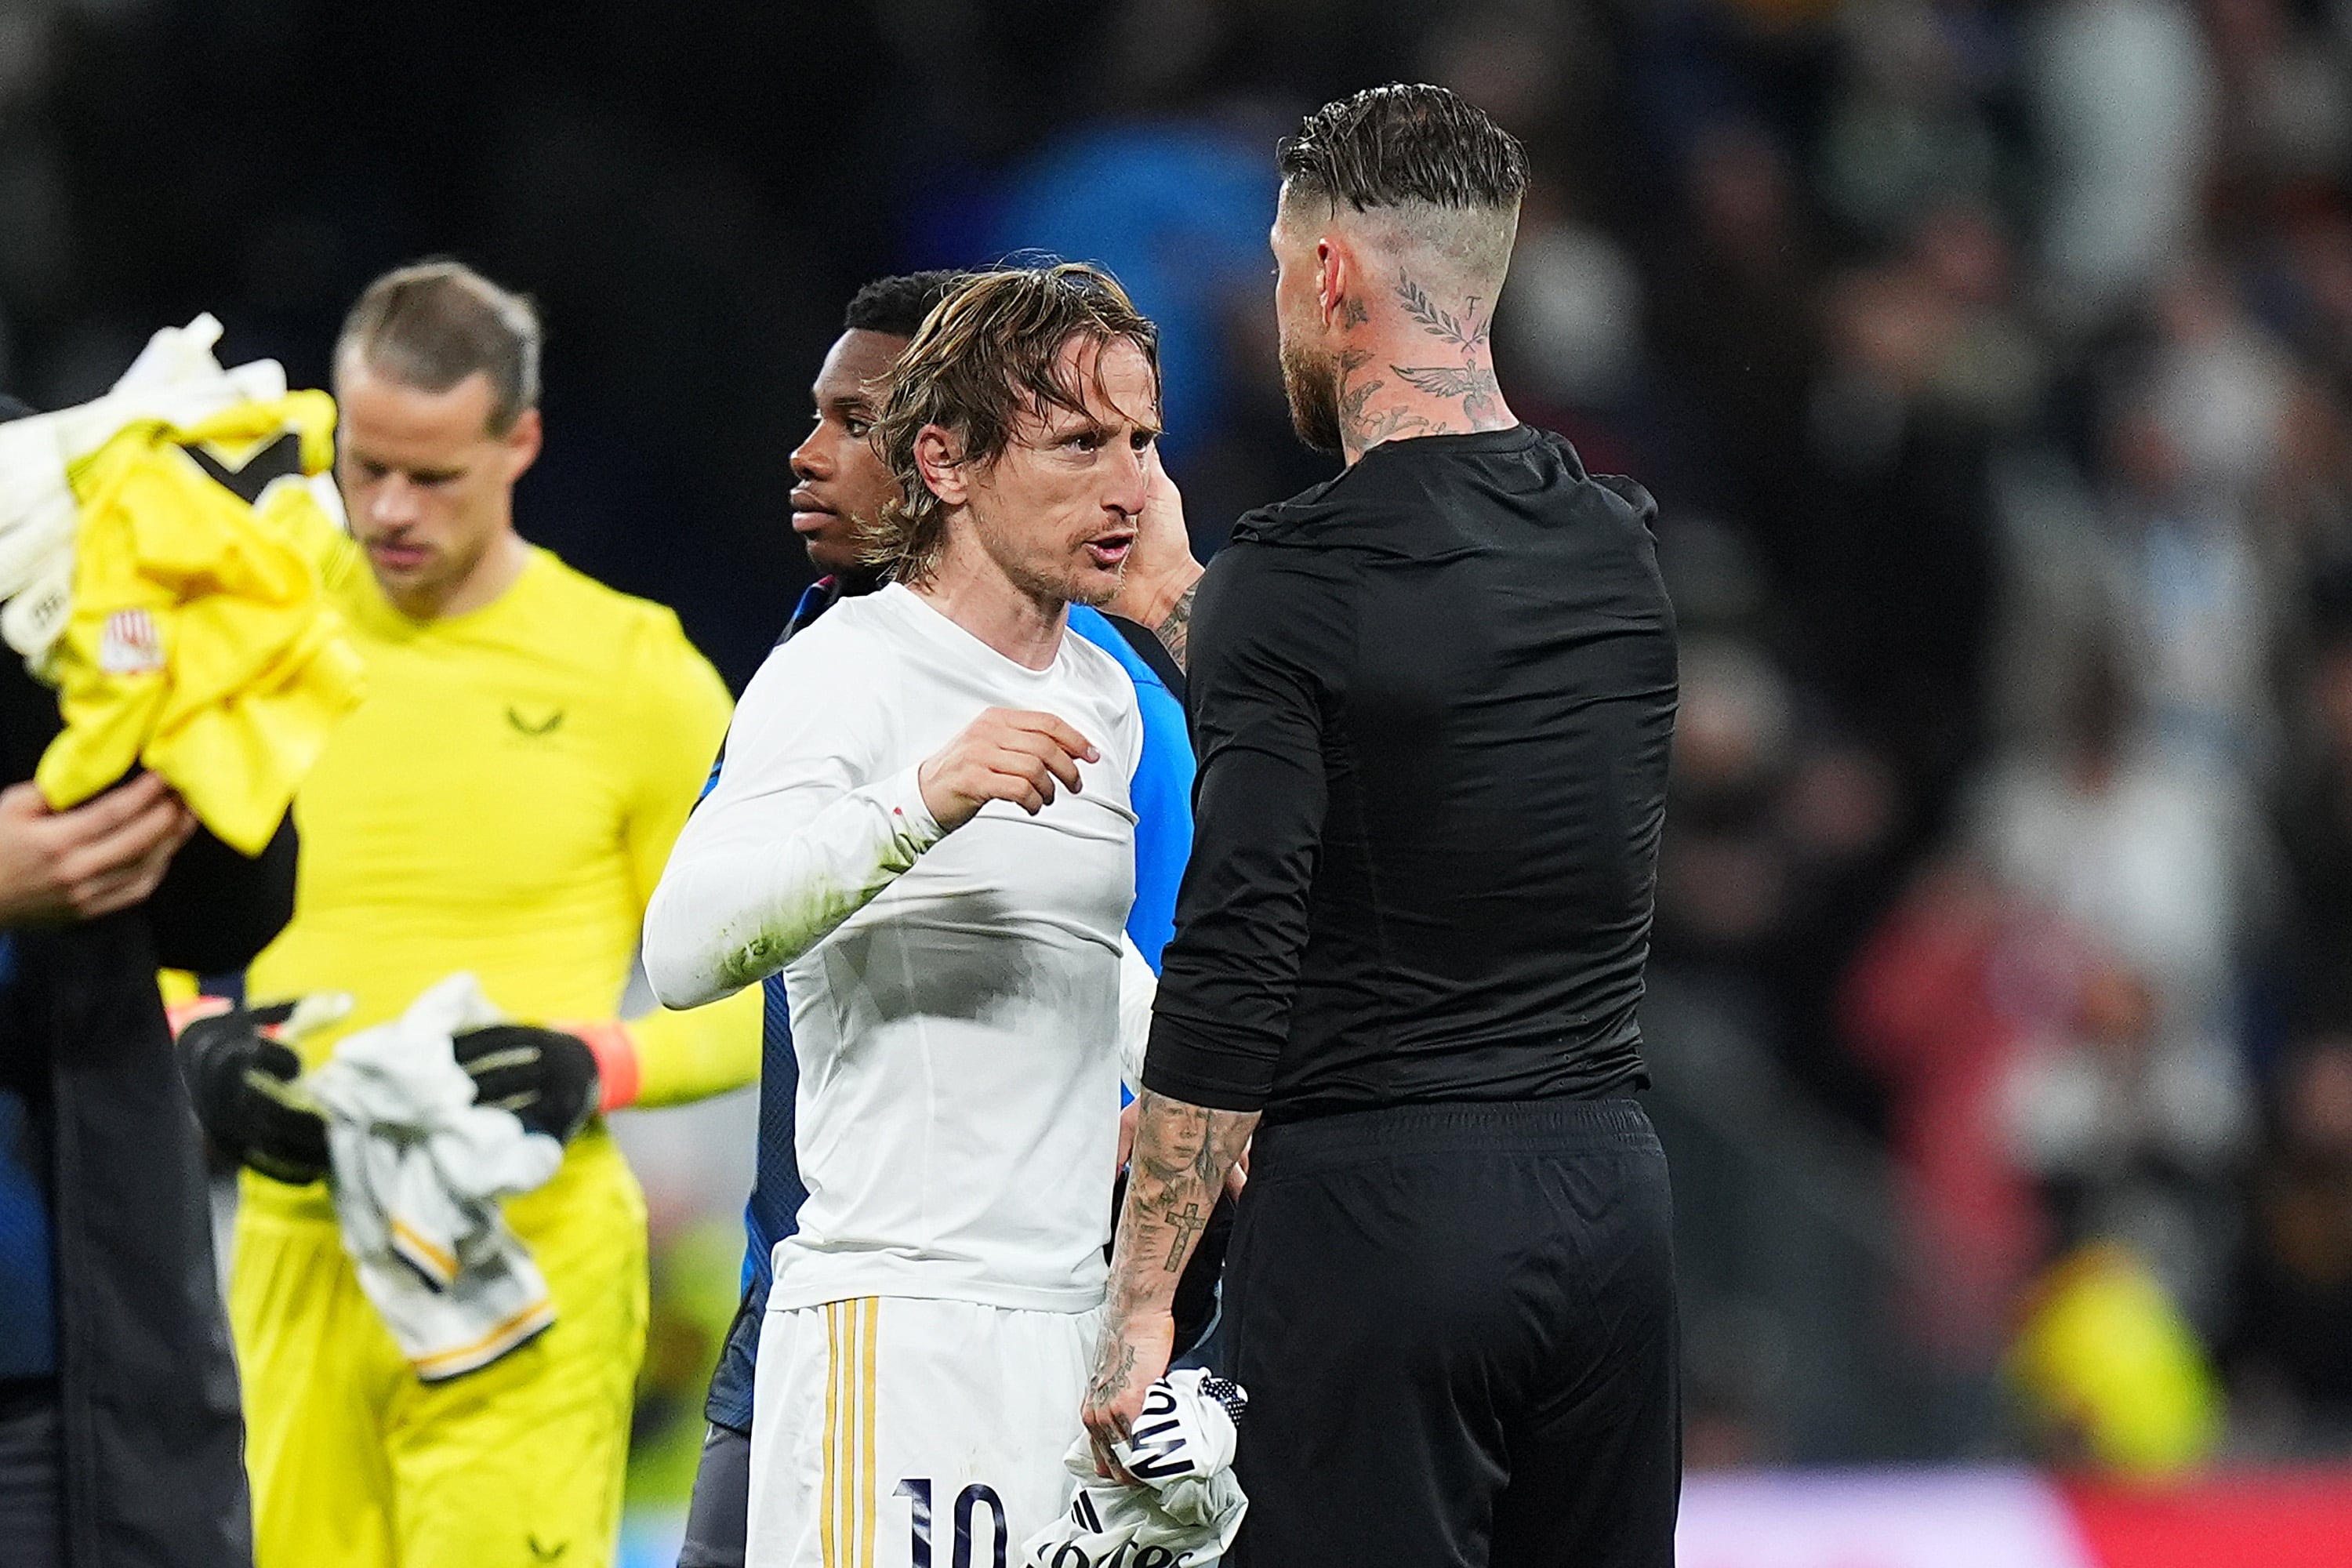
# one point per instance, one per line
(419, 1169)
(175, 379)
(1185, 1501)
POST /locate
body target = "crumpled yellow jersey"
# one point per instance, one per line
(199, 641)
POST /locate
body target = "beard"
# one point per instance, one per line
(1310, 384)
(1046, 576)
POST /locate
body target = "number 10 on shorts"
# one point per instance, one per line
(917, 1490)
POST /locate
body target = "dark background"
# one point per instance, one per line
(1990, 359)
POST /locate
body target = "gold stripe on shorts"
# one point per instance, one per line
(847, 1529)
(873, 1309)
(831, 1420)
(847, 1457)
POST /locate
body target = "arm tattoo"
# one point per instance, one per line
(1182, 1153)
(1175, 630)
(1187, 1227)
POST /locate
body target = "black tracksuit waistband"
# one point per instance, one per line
(1503, 1126)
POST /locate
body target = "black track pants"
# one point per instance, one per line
(1457, 1326)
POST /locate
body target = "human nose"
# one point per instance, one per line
(392, 501)
(1132, 486)
(813, 458)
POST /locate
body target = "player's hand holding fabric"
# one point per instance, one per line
(1007, 754)
(547, 1077)
(247, 1085)
(104, 855)
(1134, 1349)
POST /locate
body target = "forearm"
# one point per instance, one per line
(1183, 1155)
(703, 1051)
(741, 899)
(1174, 626)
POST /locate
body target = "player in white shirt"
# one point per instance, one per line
(923, 822)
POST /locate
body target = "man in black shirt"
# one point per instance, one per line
(1431, 701)
(120, 1437)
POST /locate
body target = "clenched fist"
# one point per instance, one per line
(1007, 754)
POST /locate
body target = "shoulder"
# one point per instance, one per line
(1353, 510)
(843, 660)
(633, 654)
(594, 614)
(1098, 630)
(1260, 593)
(632, 641)
(1298, 521)
(852, 632)
(602, 608)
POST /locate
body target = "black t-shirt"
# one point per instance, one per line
(1431, 701)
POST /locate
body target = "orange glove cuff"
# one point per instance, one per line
(619, 1072)
(180, 1014)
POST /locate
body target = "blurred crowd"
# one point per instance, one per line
(1991, 360)
(1994, 360)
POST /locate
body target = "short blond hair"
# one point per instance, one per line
(432, 324)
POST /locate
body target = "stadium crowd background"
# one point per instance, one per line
(1991, 360)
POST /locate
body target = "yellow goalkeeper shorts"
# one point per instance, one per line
(357, 1463)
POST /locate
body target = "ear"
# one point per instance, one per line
(1338, 284)
(522, 444)
(941, 462)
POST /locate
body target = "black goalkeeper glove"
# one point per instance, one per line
(547, 1077)
(248, 1098)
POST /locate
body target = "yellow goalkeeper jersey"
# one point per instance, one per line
(502, 802)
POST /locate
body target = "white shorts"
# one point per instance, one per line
(896, 1432)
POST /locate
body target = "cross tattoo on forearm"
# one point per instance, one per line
(1186, 1226)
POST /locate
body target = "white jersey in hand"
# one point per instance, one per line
(955, 999)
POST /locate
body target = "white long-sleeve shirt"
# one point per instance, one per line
(955, 996)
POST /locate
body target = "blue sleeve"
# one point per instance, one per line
(1161, 791)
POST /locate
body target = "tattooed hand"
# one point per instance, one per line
(1129, 1355)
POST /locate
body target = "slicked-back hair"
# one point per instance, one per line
(987, 355)
(896, 306)
(1387, 146)
(433, 324)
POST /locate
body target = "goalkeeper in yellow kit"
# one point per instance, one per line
(502, 802)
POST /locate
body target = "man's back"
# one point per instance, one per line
(1432, 702)
(1445, 683)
